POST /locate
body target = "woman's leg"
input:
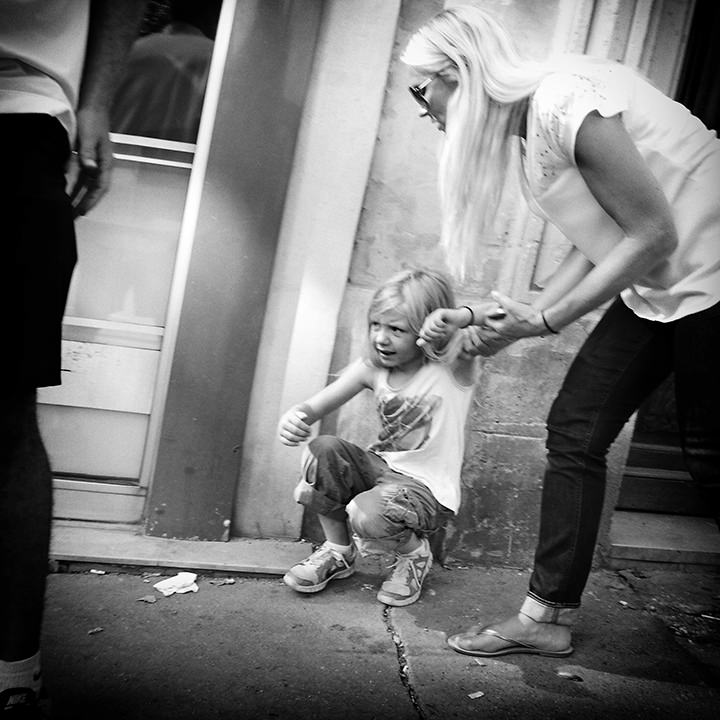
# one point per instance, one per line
(620, 363)
(697, 387)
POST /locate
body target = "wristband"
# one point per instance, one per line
(547, 324)
(472, 315)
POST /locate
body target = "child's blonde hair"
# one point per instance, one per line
(415, 293)
(466, 45)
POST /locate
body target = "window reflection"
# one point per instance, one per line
(161, 94)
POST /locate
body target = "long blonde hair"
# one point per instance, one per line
(466, 45)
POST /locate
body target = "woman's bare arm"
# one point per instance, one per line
(623, 185)
(626, 189)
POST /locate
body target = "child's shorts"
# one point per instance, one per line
(39, 251)
(384, 507)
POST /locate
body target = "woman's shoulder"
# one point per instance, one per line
(573, 87)
(571, 76)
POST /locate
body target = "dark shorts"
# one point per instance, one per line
(38, 248)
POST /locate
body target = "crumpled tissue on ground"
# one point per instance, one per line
(183, 582)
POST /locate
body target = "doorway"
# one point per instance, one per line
(97, 424)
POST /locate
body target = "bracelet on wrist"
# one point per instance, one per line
(547, 324)
(472, 315)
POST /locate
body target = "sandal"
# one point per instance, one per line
(513, 647)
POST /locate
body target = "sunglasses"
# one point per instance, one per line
(418, 93)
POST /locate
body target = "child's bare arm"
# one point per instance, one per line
(465, 364)
(441, 324)
(294, 425)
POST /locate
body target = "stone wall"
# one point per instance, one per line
(399, 227)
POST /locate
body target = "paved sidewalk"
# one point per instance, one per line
(647, 646)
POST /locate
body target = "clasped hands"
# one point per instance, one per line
(496, 325)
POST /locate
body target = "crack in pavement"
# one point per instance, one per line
(404, 668)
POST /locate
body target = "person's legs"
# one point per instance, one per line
(621, 363)
(25, 511)
(333, 472)
(397, 515)
(39, 256)
(697, 387)
(618, 366)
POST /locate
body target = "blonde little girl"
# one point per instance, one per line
(405, 486)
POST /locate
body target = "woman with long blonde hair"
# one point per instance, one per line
(488, 85)
(630, 177)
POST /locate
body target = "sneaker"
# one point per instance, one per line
(316, 571)
(24, 704)
(404, 586)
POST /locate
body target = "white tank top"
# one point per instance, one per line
(423, 428)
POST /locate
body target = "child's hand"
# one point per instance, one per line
(440, 325)
(293, 427)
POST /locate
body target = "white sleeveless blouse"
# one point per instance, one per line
(680, 151)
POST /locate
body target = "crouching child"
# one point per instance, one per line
(392, 496)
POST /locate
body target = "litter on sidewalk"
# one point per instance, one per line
(569, 675)
(183, 582)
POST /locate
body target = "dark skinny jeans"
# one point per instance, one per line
(622, 361)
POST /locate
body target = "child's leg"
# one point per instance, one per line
(333, 472)
(397, 515)
(411, 545)
(335, 529)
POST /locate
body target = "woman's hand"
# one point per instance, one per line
(293, 427)
(499, 330)
(476, 341)
(520, 320)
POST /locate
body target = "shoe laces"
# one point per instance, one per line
(322, 555)
(401, 567)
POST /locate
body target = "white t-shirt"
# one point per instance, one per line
(42, 50)
(680, 151)
(423, 428)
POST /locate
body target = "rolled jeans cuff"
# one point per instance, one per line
(541, 612)
(380, 546)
